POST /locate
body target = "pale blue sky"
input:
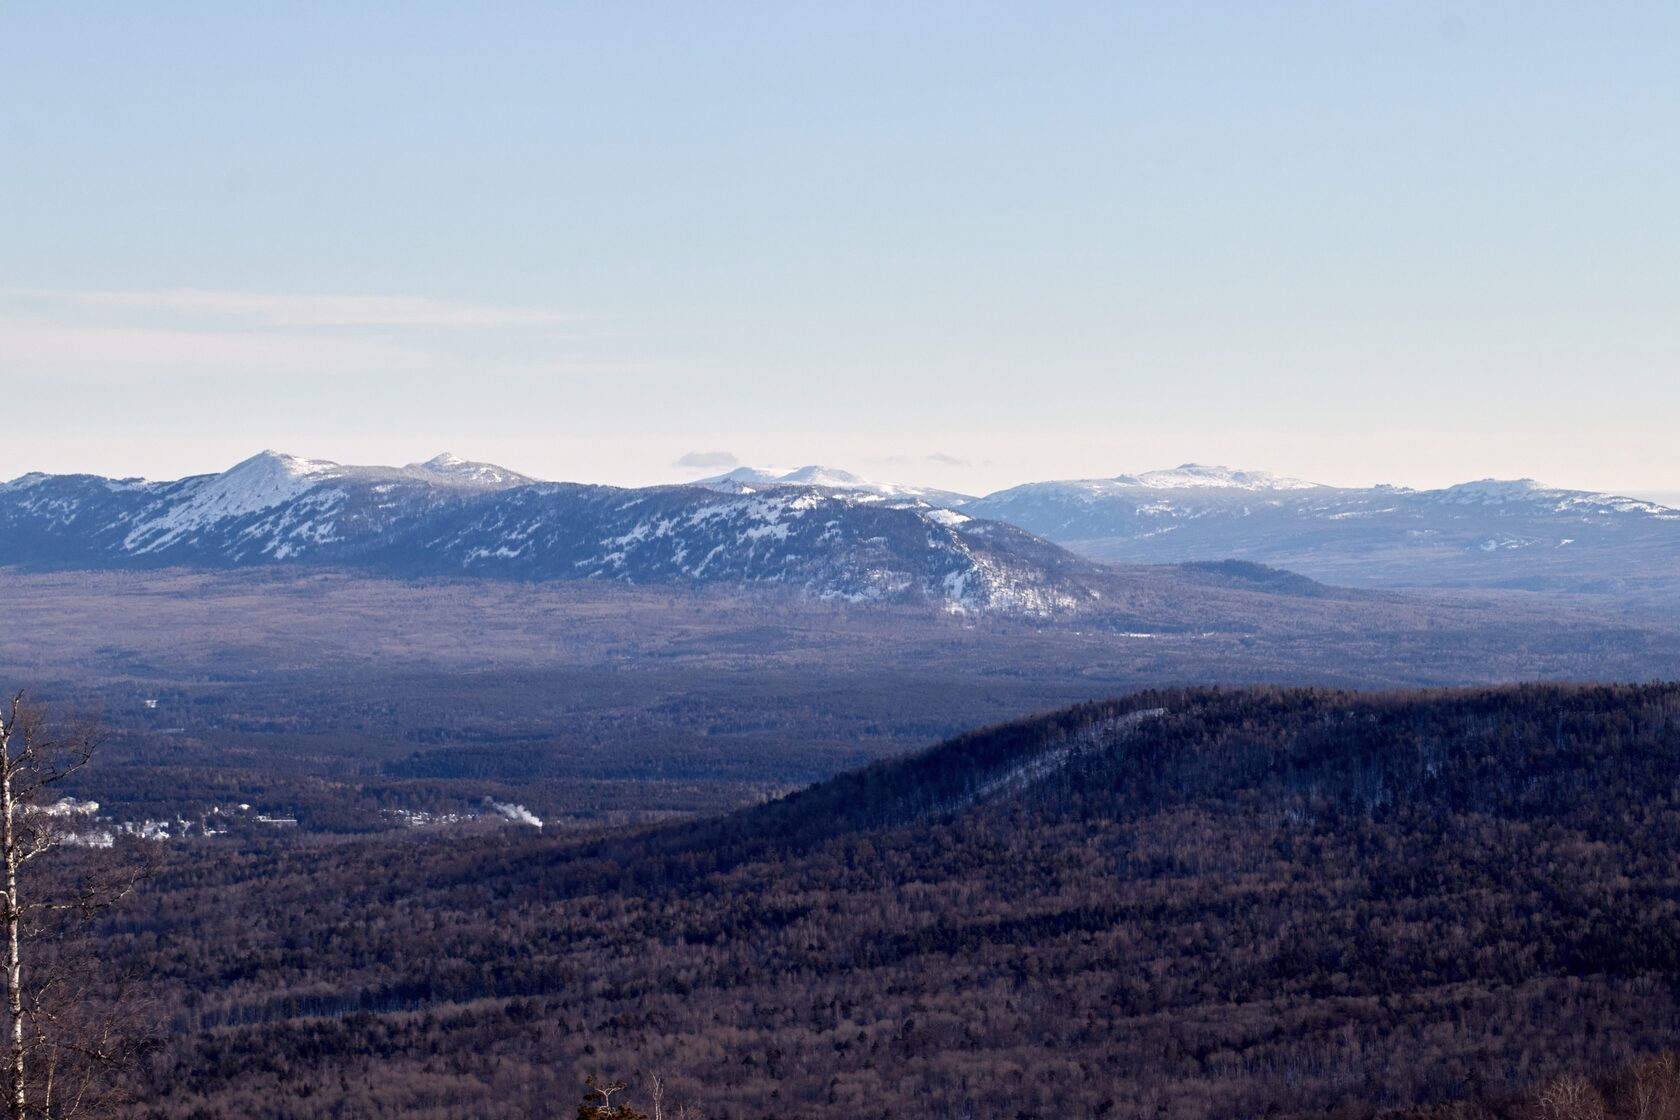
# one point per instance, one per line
(963, 244)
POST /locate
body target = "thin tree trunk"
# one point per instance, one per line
(19, 1103)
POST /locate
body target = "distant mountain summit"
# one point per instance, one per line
(1196, 476)
(747, 480)
(452, 469)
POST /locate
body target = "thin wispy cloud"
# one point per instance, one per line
(108, 336)
(305, 311)
(708, 460)
(101, 352)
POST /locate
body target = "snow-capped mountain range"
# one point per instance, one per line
(451, 516)
(1490, 533)
(829, 534)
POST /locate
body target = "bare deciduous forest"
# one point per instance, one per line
(1186, 903)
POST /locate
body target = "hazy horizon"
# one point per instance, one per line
(902, 471)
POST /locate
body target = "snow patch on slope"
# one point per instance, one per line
(1099, 737)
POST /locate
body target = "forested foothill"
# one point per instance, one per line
(1187, 902)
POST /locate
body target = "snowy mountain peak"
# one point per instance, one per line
(451, 468)
(444, 460)
(825, 476)
(724, 481)
(1190, 475)
(264, 481)
(268, 465)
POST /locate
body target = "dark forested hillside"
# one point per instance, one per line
(1184, 903)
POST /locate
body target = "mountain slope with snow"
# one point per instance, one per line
(448, 516)
(1486, 534)
(271, 506)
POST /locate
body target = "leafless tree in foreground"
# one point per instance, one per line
(597, 1103)
(656, 1094)
(1570, 1096)
(1653, 1088)
(62, 1040)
